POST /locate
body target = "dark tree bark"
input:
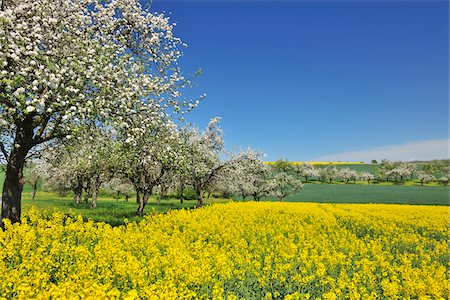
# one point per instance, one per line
(182, 192)
(94, 199)
(143, 201)
(87, 192)
(77, 194)
(200, 200)
(14, 181)
(126, 196)
(95, 188)
(199, 192)
(12, 188)
(138, 197)
(33, 192)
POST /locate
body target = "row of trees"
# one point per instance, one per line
(71, 66)
(90, 93)
(385, 171)
(159, 160)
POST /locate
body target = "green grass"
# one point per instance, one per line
(108, 210)
(373, 193)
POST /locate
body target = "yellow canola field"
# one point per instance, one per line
(234, 251)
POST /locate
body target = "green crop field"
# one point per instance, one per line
(360, 193)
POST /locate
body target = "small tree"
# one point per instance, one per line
(347, 174)
(283, 165)
(425, 178)
(247, 170)
(328, 172)
(34, 175)
(366, 176)
(306, 170)
(144, 156)
(203, 157)
(283, 185)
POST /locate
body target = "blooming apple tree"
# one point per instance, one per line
(203, 161)
(248, 174)
(147, 155)
(283, 185)
(366, 176)
(73, 63)
(347, 174)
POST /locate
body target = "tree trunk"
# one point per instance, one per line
(142, 202)
(12, 188)
(126, 196)
(182, 195)
(199, 198)
(94, 199)
(77, 194)
(13, 184)
(117, 195)
(138, 197)
(33, 192)
(243, 197)
(86, 195)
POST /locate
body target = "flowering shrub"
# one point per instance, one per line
(235, 250)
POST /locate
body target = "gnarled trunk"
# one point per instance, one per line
(12, 189)
(94, 199)
(138, 197)
(13, 184)
(33, 192)
(143, 201)
(199, 191)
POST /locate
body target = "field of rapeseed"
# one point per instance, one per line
(235, 250)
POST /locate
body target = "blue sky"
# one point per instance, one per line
(320, 80)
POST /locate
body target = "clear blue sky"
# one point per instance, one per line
(310, 79)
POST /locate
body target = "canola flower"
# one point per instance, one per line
(233, 251)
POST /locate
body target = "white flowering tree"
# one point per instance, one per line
(328, 172)
(425, 177)
(83, 163)
(145, 155)
(306, 170)
(284, 185)
(247, 171)
(73, 63)
(402, 170)
(119, 186)
(347, 174)
(366, 176)
(34, 174)
(203, 161)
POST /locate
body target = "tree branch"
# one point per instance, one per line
(3, 150)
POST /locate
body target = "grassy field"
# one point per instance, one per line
(109, 210)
